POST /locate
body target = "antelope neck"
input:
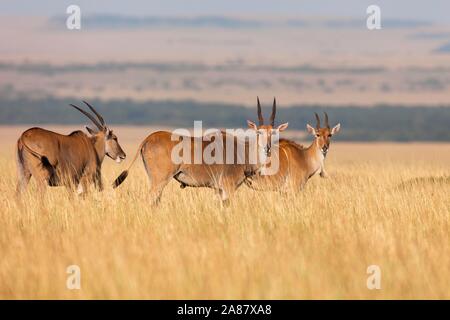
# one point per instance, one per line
(316, 156)
(99, 146)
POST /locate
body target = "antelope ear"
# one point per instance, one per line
(91, 131)
(310, 129)
(252, 125)
(336, 129)
(283, 126)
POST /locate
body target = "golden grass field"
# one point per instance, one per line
(385, 204)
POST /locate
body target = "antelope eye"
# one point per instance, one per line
(330, 135)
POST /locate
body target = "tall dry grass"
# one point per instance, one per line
(380, 206)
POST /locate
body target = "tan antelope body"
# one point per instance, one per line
(66, 160)
(296, 163)
(156, 151)
(225, 178)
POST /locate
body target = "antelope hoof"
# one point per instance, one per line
(80, 190)
(324, 175)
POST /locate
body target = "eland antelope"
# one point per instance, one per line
(157, 154)
(72, 160)
(296, 163)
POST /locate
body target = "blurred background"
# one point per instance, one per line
(168, 63)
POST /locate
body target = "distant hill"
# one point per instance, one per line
(105, 21)
(379, 123)
(132, 22)
(444, 49)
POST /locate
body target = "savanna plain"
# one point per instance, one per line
(384, 204)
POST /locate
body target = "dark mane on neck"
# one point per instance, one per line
(76, 132)
(291, 143)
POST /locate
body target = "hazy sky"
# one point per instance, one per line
(430, 10)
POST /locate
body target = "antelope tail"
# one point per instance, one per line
(19, 150)
(45, 162)
(121, 178)
(20, 160)
(20, 143)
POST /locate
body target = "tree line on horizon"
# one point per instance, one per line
(378, 123)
